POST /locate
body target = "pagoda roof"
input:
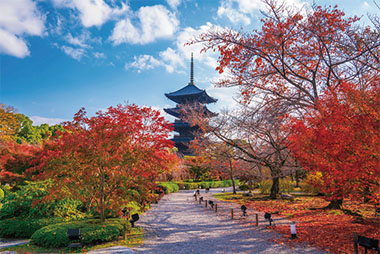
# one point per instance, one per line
(190, 93)
(176, 112)
(181, 139)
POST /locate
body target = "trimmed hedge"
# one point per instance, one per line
(168, 187)
(210, 184)
(1, 194)
(92, 231)
(24, 227)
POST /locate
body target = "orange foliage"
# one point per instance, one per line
(330, 230)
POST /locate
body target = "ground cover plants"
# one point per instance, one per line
(132, 238)
(327, 229)
(169, 187)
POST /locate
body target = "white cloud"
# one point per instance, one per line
(209, 58)
(225, 95)
(143, 62)
(173, 3)
(154, 22)
(365, 5)
(12, 45)
(240, 11)
(233, 15)
(78, 41)
(76, 53)
(93, 12)
(38, 120)
(17, 20)
(99, 55)
(178, 58)
(172, 59)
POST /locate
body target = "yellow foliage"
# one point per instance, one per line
(8, 123)
(312, 182)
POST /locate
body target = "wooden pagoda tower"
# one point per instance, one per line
(187, 97)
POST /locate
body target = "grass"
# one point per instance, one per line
(316, 226)
(132, 239)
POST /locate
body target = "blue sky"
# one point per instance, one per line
(60, 55)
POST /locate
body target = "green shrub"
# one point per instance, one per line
(23, 227)
(286, 185)
(168, 187)
(243, 187)
(92, 232)
(191, 186)
(20, 204)
(205, 184)
(1, 194)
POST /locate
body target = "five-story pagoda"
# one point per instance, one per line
(188, 97)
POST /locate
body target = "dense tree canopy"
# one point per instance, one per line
(109, 159)
(301, 62)
(341, 139)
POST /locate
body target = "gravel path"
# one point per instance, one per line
(177, 224)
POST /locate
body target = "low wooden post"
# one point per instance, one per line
(356, 243)
(216, 208)
(232, 213)
(257, 220)
(206, 203)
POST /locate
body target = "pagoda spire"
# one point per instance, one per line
(192, 70)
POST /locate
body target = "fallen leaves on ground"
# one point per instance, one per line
(330, 230)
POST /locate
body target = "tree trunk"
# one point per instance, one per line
(335, 204)
(275, 187)
(297, 179)
(232, 179)
(102, 212)
(366, 195)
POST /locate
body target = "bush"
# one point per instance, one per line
(23, 227)
(92, 232)
(1, 194)
(311, 183)
(20, 204)
(286, 185)
(168, 187)
(243, 187)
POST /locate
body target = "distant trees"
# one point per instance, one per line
(20, 141)
(9, 123)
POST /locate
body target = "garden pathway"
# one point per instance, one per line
(177, 224)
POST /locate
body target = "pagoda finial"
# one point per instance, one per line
(192, 70)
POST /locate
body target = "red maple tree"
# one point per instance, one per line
(340, 138)
(109, 159)
(297, 56)
(15, 160)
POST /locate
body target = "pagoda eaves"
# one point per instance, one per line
(190, 93)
